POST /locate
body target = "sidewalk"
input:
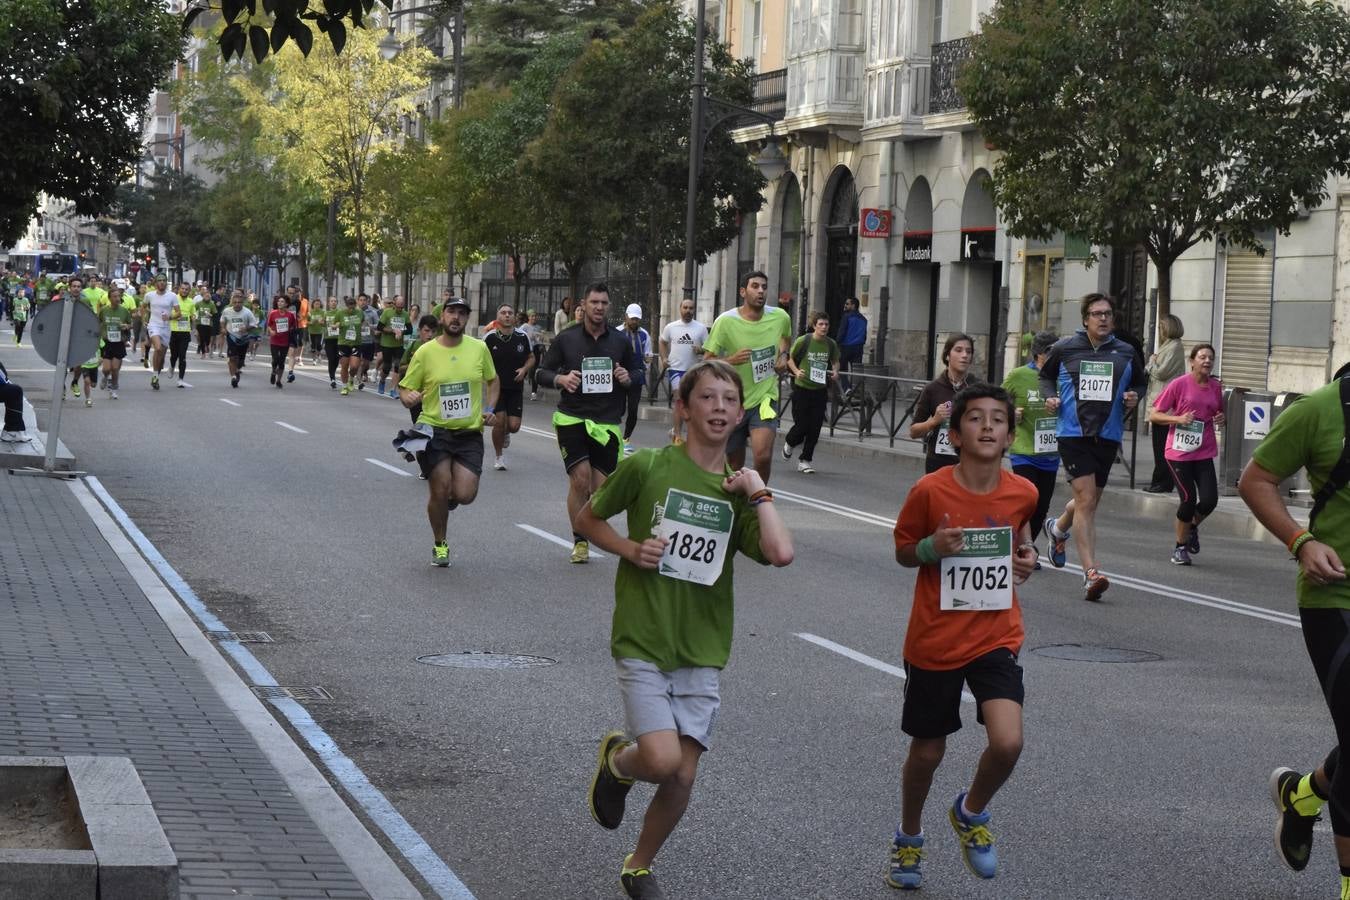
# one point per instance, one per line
(94, 660)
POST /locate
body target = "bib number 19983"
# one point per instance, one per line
(980, 576)
(597, 375)
(697, 530)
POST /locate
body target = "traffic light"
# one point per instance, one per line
(149, 259)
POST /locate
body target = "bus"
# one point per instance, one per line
(53, 264)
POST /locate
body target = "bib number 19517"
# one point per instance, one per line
(980, 576)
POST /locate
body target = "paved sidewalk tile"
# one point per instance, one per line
(88, 667)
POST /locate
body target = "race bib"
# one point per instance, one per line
(283, 325)
(697, 530)
(980, 576)
(597, 375)
(816, 373)
(43, 295)
(1094, 380)
(333, 331)
(351, 334)
(397, 325)
(205, 318)
(236, 327)
(455, 400)
(1044, 439)
(943, 445)
(407, 341)
(114, 334)
(365, 332)
(1187, 438)
(761, 364)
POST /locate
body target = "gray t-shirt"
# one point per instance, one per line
(238, 323)
(373, 320)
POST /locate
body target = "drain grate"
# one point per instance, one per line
(484, 659)
(277, 692)
(243, 637)
(1095, 653)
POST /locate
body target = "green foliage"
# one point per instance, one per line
(409, 229)
(1165, 123)
(74, 78)
(167, 210)
(262, 29)
(509, 34)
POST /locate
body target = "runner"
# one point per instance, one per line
(513, 361)
(281, 324)
(687, 517)
(255, 307)
(754, 338)
(1035, 449)
(1312, 434)
(427, 327)
(393, 325)
(167, 318)
(641, 341)
(18, 313)
(584, 364)
(1192, 405)
(366, 347)
(138, 316)
(965, 527)
(681, 345)
(445, 378)
(115, 325)
(207, 320)
(933, 409)
(315, 330)
(814, 363)
(299, 307)
(238, 322)
(531, 330)
(350, 322)
(332, 328)
(1090, 379)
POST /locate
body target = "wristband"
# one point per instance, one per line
(1300, 533)
(489, 411)
(926, 552)
(1297, 543)
(765, 499)
(759, 496)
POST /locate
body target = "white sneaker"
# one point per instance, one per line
(500, 464)
(114, 395)
(15, 437)
(805, 467)
(181, 384)
(534, 395)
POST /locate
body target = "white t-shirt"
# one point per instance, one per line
(160, 307)
(685, 340)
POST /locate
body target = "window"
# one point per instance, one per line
(790, 245)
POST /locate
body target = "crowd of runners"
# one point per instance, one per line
(969, 525)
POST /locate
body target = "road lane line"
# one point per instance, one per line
(384, 465)
(231, 402)
(870, 661)
(539, 432)
(539, 532)
(291, 428)
(162, 576)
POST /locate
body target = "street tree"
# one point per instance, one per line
(509, 34)
(409, 230)
(1163, 124)
(74, 79)
(168, 210)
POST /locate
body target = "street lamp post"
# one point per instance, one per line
(771, 160)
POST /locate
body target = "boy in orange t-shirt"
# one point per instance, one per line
(965, 528)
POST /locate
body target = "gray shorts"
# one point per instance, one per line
(684, 701)
(740, 438)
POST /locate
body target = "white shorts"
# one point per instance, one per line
(684, 701)
(159, 331)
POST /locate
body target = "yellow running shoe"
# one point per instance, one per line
(581, 552)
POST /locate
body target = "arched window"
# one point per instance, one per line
(790, 245)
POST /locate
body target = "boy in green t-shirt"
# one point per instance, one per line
(114, 327)
(688, 514)
(814, 363)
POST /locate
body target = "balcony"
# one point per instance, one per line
(896, 100)
(770, 93)
(825, 92)
(946, 109)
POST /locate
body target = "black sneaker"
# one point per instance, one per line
(640, 884)
(272, 379)
(1193, 540)
(608, 791)
(1293, 832)
(234, 382)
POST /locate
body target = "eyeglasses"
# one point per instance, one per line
(1100, 314)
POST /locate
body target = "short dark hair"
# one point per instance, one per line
(1342, 372)
(978, 390)
(953, 339)
(428, 321)
(710, 368)
(1042, 342)
(1203, 346)
(362, 294)
(596, 287)
(816, 316)
(1089, 299)
(745, 281)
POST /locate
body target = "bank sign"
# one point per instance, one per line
(918, 247)
(874, 223)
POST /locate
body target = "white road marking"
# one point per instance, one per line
(539, 432)
(231, 402)
(561, 542)
(384, 465)
(856, 656)
(291, 428)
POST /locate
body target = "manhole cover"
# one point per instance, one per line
(1094, 653)
(482, 659)
(277, 692)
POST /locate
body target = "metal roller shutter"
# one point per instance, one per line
(1245, 354)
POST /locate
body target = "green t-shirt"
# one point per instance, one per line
(1023, 383)
(20, 312)
(115, 323)
(408, 352)
(451, 380)
(205, 312)
(1309, 434)
(730, 334)
(667, 621)
(816, 362)
(184, 320)
(349, 326)
(395, 319)
(316, 319)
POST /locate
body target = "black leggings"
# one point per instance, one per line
(315, 342)
(634, 399)
(388, 357)
(18, 331)
(1197, 486)
(1160, 472)
(204, 335)
(330, 350)
(178, 348)
(279, 355)
(808, 415)
(1044, 480)
(1326, 633)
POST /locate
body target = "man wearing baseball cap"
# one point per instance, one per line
(641, 342)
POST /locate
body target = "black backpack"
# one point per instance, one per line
(1340, 473)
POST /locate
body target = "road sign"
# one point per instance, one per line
(46, 333)
(1257, 424)
(134, 267)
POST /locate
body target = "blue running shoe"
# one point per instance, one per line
(977, 844)
(906, 857)
(1058, 544)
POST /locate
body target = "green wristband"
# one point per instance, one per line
(926, 552)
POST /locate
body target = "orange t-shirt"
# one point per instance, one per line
(949, 640)
(303, 311)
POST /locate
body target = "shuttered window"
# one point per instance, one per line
(1245, 354)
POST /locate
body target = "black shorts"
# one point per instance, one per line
(366, 352)
(457, 445)
(578, 446)
(297, 337)
(345, 352)
(236, 349)
(115, 350)
(932, 706)
(511, 402)
(1088, 456)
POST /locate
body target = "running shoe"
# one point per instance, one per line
(279, 384)
(361, 385)
(581, 552)
(181, 384)
(272, 377)
(608, 790)
(1193, 540)
(977, 844)
(500, 464)
(382, 384)
(1180, 557)
(88, 401)
(290, 376)
(234, 381)
(628, 449)
(440, 555)
(113, 394)
(145, 362)
(15, 437)
(534, 395)
(787, 450)
(333, 384)
(1058, 544)
(75, 391)
(1294, 827)
(640, 883)
(1094, 585)
(154, 382)
(906, 857)
(805, 467)
(346, 389)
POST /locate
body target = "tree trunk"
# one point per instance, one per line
(1164, 267)
(360, 246)
(332, 249)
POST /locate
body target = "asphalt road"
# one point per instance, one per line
(1139, 780)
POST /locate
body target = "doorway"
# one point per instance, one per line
(841, 248)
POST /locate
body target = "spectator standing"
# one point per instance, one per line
(1168, 363)
(852, 339)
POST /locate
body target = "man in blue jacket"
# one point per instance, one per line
(852, 339)
(1090, 378)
